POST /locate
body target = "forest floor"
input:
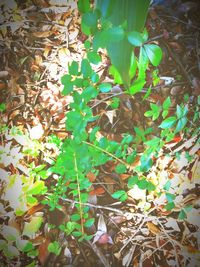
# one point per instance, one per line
(38, 39)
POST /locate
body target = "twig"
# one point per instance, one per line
(99, 254)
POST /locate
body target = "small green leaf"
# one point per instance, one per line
(2, 107)
(94, 57)
(170, 197)
(148, 113)
(182, 215)
(142, 184)
(73, 68)
(135, 38)
(89, 222)
(120, 168)
(89, 93)
(179, 112)
(137, 86)
(75, 217)
(165, 113)
(10, 251)
(86, 69)
(169, 206)
(37, 188)
(33, 226)
(181, 124)
(89, 23)
(54, 247)
(167, 103)
(115, 103)
(168, 123)
(84, 6)
(105, 87)
(154, 53)
(77, 233)
(118, 194)
(151, 187)
(146, 163)
(132, 181)
(87, 44)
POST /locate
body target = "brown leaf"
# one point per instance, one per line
(42, 34)
(91, 176)
(98, 191)
(34, 209)
(153, 228)
(43, 251)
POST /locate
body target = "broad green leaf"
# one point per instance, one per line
(137, 86)
(167, 103)
(118, 194)
(181, 124)
(170, 197)
(94, 57)
(168, 123)
(105, 87)
(77, 233)
(89, 222)
(37, 188)
(89, 23)
(120, 168)
(10, 233)
(75, 217)
(84, 5)
(142, 184)
(89, 93)
(115, 73)
(146, 163)
(30, 228)
(154, 53)
(135, 38)
(148, 113)
(132, 181)
(24, 245)
(182, 215)
(151, 187)
(169, 206)
(86, 69)
(73, 68)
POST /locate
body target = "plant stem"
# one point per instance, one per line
(79, 193)
(108, 153)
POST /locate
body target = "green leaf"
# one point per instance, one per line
(135, 38)
(151, 187)
(9, 233)
(77, 233)
(115, 73)
(68, 85)
(10, 251)
(89, 222)
(142, 184)
(120, 168)
(86, 69)
(167, 103)
(24, 245)
(2, 107)
(179, 111)
(115, 103)
(168, 123)
(165, 113)
(169, 206)
(89, 93)
(170, 197)
(84, 6)
(94, 57)
(73, 68)
(33, 226)
(148, 113)
(54, 247)
(37, 188)
(89, 23)
(182, 215)
(118, 194)
(132, 181)
(87, 44)
(181, 124)
(75, 217)
(154, 53)
(94, 77)
(137, 86)
(146, 163)
(105, 87)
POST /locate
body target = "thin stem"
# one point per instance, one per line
(79, 193)
(108, 153)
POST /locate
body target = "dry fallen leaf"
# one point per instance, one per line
(153, 228)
